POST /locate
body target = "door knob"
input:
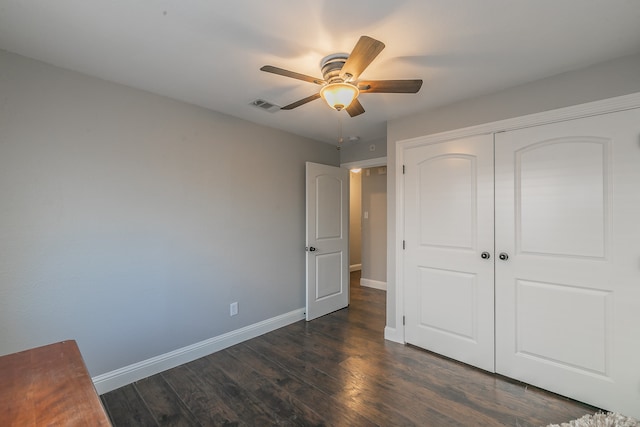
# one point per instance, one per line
(485, 255)
(311, 249)
(503, 256)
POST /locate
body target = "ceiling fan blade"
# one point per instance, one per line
(360, 57)
(355, 108)
(301, 102)
(389, 86)
(292, 74)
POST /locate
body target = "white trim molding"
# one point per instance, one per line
(137, 371)
(394, 334)
(369, 163)
(355, 267)
(620, 103)
(375, 284)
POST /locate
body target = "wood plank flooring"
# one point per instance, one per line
(336, 370)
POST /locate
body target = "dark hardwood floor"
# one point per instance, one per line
(336, 370)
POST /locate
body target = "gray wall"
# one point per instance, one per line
(130, 221)
(374, 228)
(361, 150)
(605, 80)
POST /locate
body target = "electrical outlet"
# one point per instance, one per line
(233, 309)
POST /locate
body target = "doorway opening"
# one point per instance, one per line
(368, 222)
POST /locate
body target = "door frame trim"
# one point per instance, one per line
(369, 163)
(610, 105)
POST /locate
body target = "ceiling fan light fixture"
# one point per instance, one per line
(339, 95)
(340, 84)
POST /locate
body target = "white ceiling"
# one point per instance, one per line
(209, 53)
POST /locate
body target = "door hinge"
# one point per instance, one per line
(403, 170)
(403, 321)
(404, 244)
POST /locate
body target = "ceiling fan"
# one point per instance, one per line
(340, 84)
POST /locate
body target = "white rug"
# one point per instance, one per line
(601, 420)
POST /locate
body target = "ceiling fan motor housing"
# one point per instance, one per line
(331, 66)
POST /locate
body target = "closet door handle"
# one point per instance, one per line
(311, 249)
(503, 256)
(485, 255)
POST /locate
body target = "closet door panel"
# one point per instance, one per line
(567, 206)
(448, 224)
(562, 197)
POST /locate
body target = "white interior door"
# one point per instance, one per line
(448, 214)
(568, 296)
(327, 239)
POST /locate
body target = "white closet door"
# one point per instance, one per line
(568, 296)
(448, 225)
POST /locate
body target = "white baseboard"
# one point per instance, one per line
(129, 374)
(373, 284)
(355, 267)
(393, 334)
